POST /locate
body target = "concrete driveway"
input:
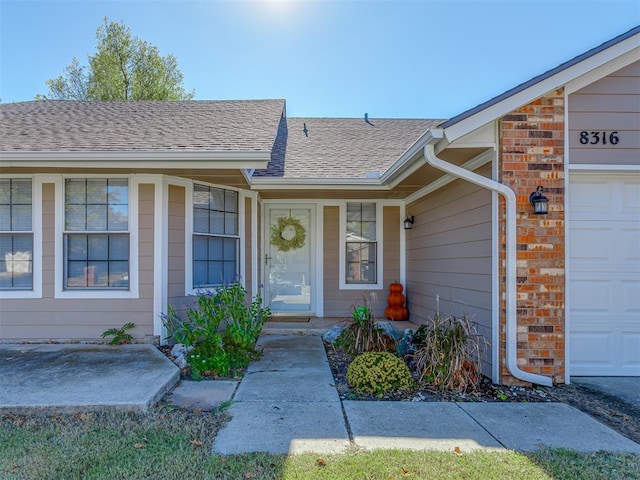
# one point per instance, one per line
(625, 388)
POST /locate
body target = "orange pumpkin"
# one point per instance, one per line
(396, 309)
(396, 313)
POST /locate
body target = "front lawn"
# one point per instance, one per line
(165, 444)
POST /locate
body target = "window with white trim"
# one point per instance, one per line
(216, 240)
(16, 234)
(361, 244)
(96, 233)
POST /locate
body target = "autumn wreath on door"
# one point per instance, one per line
(288, 234)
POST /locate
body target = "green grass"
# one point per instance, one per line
(175, 444)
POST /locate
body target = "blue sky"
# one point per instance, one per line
(327, 58)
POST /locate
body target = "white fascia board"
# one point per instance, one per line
(142, 159)
(247, 174)
(629, 48)
(412, 160)
(483, 137)
(603, 70)
(404, 164)
(447, 178)
(318, 184)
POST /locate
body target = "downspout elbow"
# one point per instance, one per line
(510, 289)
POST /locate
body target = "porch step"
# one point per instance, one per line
(295, 328)
(317, 326)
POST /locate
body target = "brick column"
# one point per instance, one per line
(532, 154)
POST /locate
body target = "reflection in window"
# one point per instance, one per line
(96, 239)
(215, 236)
(361, 243)
(16, 234)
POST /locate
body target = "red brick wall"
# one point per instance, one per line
(532, 154)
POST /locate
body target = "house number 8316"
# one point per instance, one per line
(595, 138)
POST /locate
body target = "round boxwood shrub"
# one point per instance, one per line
(378, 373)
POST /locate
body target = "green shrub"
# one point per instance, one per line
(378, 373)
(447, 353)
(120, 335)
(223, 328)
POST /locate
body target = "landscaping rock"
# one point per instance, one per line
(405, 345)
(332, 334)
(179, 352)
(181, 361)
(179, 349)
(389, 328)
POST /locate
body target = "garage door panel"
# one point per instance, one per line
(589, 245)
(604, 273)
(589, 349)
(630, 293)
(596, 296)
(631, 351)
(630, 250)
(590, 197)
(599, 353)
(630, 198)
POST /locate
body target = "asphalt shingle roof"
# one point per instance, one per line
(340, 147)
(59, 126)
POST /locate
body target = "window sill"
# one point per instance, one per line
(96, 294)
(11, 294)
(361, 286)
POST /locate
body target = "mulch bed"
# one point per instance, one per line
(486, 391)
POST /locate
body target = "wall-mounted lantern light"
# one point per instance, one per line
(539, 202)
(408, 223)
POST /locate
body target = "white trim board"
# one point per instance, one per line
(37, 183)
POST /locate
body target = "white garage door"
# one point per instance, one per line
(604, 273)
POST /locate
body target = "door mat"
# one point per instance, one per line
(289, 319)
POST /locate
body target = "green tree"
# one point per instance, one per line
(122, 68)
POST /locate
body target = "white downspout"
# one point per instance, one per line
(510, 290)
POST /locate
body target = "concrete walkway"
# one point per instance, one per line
(287, 403)
(61, 378)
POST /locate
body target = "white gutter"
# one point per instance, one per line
(137, 159)
(318, 184)
(510, 290)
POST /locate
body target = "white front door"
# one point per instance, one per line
(289, 268)
(604, 273)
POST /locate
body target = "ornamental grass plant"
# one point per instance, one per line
(362, 334)
(447, 353)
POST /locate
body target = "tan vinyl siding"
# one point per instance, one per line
(146, 212)
(611, 104)
(176, 252)
(339, 303)
(391, 245)
(449, 254)
(69, 319)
